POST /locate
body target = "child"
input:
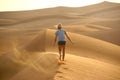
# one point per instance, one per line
(60, 37)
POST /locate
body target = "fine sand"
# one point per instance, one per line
(27, 51)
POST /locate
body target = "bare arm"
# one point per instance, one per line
(55, 39)
(68, 37)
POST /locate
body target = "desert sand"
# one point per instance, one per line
(27, 51)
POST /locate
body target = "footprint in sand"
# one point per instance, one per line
(59, 72)
(66, 68)
(60, 76)
(63, 69)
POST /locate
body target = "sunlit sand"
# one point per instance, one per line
(27, 51)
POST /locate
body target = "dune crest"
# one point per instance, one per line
(83, 46)
(27, 37)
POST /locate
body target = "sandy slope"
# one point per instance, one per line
(44, 66)
(81, 68)
(27, 51)
(28, 63)
(23, 66)
(87, 46)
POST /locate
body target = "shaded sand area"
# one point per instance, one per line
(27, 37)
(28, 67)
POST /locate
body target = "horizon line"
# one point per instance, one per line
(57, 6)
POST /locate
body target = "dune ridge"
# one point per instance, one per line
(86, 46)
(27, 51)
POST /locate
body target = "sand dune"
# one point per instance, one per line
(76, 67)
(104, 12)
(87, 46)
(105, 30)
(38, 68)
(15, 66)
(105, 53)
(83, 46)
(100, 10)
(27, 51)
(110, 35)
(90, 15)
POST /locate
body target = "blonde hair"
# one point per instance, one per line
(59, 26)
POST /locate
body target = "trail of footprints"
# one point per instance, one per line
(62, 71)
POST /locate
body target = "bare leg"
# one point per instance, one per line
(63, 51)
(60, 55)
